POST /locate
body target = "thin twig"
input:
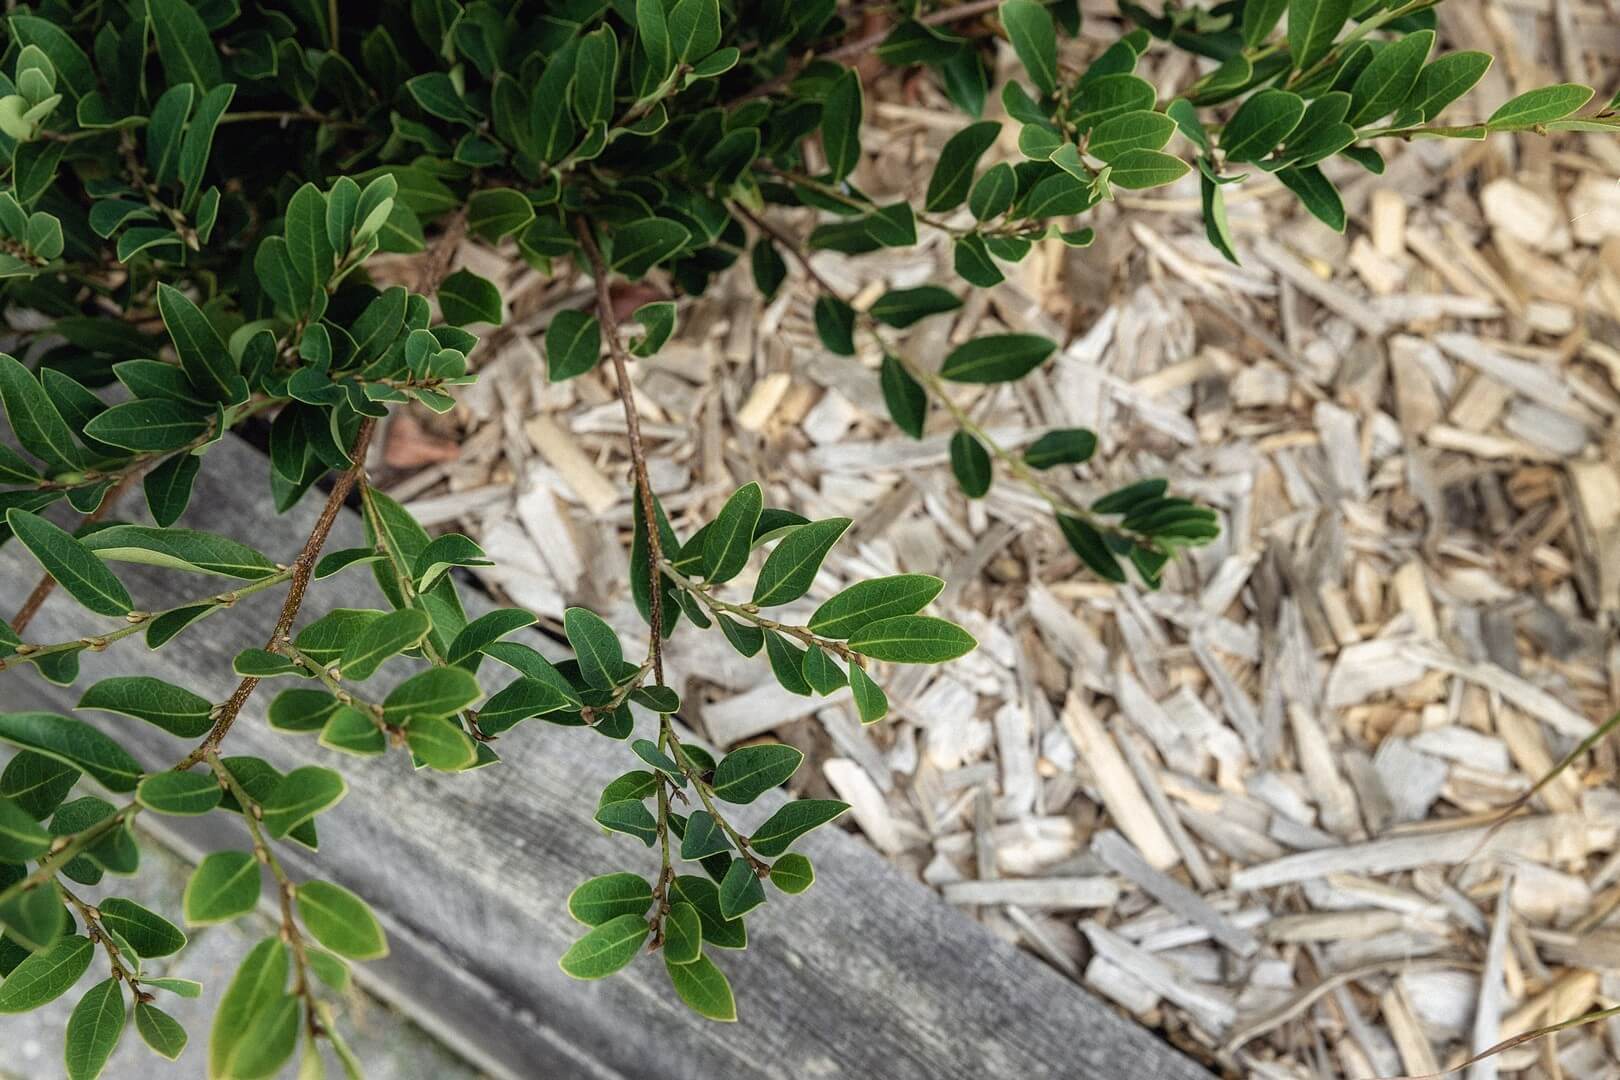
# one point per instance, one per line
(303, 566)
(638, 457)
(36, 599)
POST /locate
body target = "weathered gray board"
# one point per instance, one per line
(868, 975)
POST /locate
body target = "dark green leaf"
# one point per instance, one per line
(159, 1030)
(953, 175)
(573, 344)
(1063, 446)
(791, 822)
(464, 298)
(34, 419)
(1034, 39)
(175, 710)
(600, 899)
(703, 987)
(740, 890)
(224, 886)
(181, 793)
(872, 600)
(905, 397)
(1312, 26)
(606, 949)
(75, 743)
(841, 124)
(730, 538)
(148, 933)
(902, 307)
(912, 639)
(1539, 106)
(970, 463)
(747, 773)
(790, 569)
(793, 873)
(996, 358)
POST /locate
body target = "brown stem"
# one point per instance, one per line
(36, 599)
(436, 267)
(851, 50)
(303, 567)
(638, 457)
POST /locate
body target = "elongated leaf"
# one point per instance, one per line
(790, 569)
(85, 577)
(1312, 26)
(46, 975)
(259, 983)
(180, 549)
(1138, 169)
(629, 816)
(573, 344)
(1442, 81)
(970, 463)
(841, 125)
(902, 307)
(912, 639)
(600, 899)
(438, 691)
(440, 743)
(382, 638)
(150, 425)
(341, 921)
(208, 364)
(905, 397)
(148, 933)
(174, 709)
(159, 1030)
(1389, 79)
(703, 837)
(181, 793)
(996, 358)
(21, 837)
(683, 934)
(34, 419)
(1317, 193)
(740, 890)
(94, 1029)
(703, 987)
(596, 645)
(873, 600)
(606, 949)
(1540, 106)
(730, 538)
(184, 44)
(300, 795)
(953, 175)
(520, 700)
(640, 245)
(75, 743)
(1261, 123)
(747, 773)
(791, 822)
(224, 886)
(1034, 39)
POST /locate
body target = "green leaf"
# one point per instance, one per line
(34, 419)
(793, 873)
(953, 175)
(179, 549)
(1312, 26)
(606, 949)
(746, 638)
(175, 710)
(436, 692)
(225, 885)
(747, 773)
(180, 793)
(78, 571)
(658, 318)
(703, 894)
(350, 731)
(596, 65)
(768, 268)
(641, 245)
(970, 256)
(703, 837)
(1389, 78)
(381, 639)
(47, 974)
(208, 364)
(600, 899)
(1062, 446)
(905, 397)
(300, 795)
(912, 639)
(159, 1030)
(993, 193)
(1261, 122)
(1139, 129)
(872, 600)
(996, 358)
(1034, 38)
(21, 837)
(703, 987)
(440, 743)
(465, 298)
(970, 462)
(683, 934)
(36, 783)
(255, 990)
(1260, 19)
(148, 933)
(835, 325)
(791, 822)
(648, 751)
(74, 743)
(787, 663)
(694, 28)
(1088, 543)
(870, 701)
(199, 142)
(168, 488)
(150, 425)
(729, 539)
(1539, 106)
(902, 307)
(791, 568)
(495, 213)
(841, 124)
(595, 643)
(1317, 193)
(186, 988)
(184, 44)
(1443, 81)
(94, 1029)
(573, 344)
(1139, 169)
(520, 700)
(629, 816)
(341, 921)
(740, 890)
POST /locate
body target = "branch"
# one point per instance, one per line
(303, 566)
(638, 457)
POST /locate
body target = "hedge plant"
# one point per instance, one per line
(192, 191)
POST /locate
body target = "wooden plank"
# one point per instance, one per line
(871, 974)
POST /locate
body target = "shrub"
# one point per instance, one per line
(227, 171)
